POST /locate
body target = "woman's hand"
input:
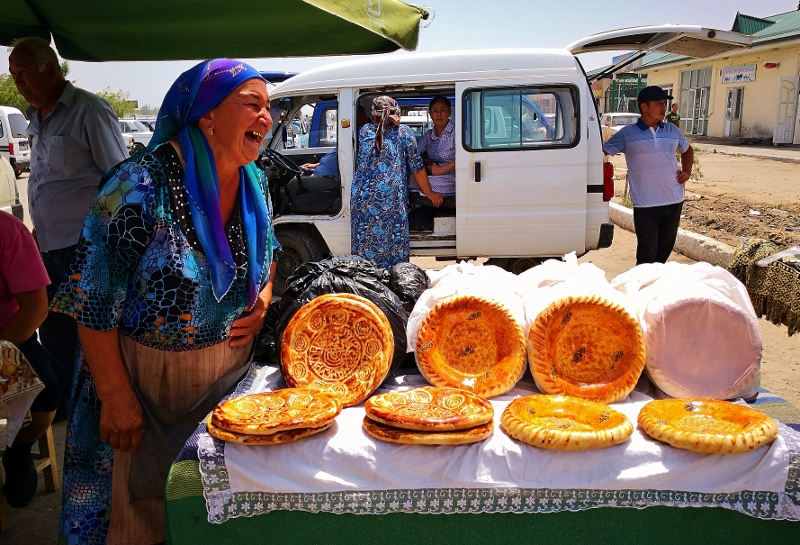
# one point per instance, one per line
(244, 329)
(121, 421)
(436, 198)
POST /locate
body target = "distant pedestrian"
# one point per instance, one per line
(657, 184)
(673, 116)
(75, 138)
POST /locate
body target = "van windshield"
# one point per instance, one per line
(18, 125)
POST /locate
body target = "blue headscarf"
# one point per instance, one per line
(193, 94)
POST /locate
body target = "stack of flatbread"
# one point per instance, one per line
(272, 418)
(429, 416)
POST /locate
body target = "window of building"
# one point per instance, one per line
(695, 90)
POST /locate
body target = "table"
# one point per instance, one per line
(187, 515)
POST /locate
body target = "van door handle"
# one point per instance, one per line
(477, 171)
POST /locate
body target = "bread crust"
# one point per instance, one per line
(587, 347)
(707, 425)
(473, 344)
(564, 423)
(271, 412)
(338, 343)
(430, 408)
(277, 438)
(400, 436)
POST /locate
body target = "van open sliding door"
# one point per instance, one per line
(521, 169)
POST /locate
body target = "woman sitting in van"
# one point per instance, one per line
(387, 154)
(439, 144)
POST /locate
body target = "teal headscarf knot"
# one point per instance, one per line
(193, 94)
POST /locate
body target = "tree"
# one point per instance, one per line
(120, 101)
(9, 96)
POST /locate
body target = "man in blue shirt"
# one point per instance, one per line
(75, 139)
(656, 183)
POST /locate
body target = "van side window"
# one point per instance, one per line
(2, 132)
(520, 118)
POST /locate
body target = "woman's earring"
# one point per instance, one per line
(211, 131)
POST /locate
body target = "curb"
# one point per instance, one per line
(706, 151)
(692, 245)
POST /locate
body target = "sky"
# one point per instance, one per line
(459, 24)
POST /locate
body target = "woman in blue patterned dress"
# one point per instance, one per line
(171, 283)
(387, 156)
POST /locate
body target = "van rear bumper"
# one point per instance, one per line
(606, 235)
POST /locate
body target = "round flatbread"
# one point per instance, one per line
(338, 343)
(707, 425)
(389, 434)
(473, 344)
(430, 408)
(276, 438)
(564, 423)
(587, 347)
(271, 412)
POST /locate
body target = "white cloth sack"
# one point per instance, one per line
(700, 330)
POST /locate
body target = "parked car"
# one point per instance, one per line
(135, 132)
(13, 139)
(612, 122)
(9, 197)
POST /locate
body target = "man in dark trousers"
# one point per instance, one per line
(650, 147)
(75, 138)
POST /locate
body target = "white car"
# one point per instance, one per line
(137, 135)
(611, 123)
(9, 197)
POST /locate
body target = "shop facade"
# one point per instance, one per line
(751, 93)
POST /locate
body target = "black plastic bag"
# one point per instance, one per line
(266, 343)
(346, 274)
(408, 282)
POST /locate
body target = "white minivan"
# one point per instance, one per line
(531, 183)
(13, 139)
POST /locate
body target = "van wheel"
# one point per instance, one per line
(515, 265)
(136, 148)
(298, 248)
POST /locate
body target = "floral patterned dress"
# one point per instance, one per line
(379, 196)
(139, 268)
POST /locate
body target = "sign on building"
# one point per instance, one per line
(736, 74)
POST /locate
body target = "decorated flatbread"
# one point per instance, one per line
(430, 408)
(564, 423)
(587, 347)
(271, 412)
(276, 438)
(390, 434)
(338, 343)
(471, 343)
(707, 425)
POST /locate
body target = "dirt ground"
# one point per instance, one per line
(739, 197)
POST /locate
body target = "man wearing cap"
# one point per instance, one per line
(656, 182)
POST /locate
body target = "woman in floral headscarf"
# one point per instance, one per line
(171, 283)
(387, 156)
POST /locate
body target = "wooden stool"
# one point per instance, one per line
(45, 461)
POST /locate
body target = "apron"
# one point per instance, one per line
(176, 390)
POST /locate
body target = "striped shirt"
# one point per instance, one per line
(652, 162)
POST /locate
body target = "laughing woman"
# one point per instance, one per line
(171, 283)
